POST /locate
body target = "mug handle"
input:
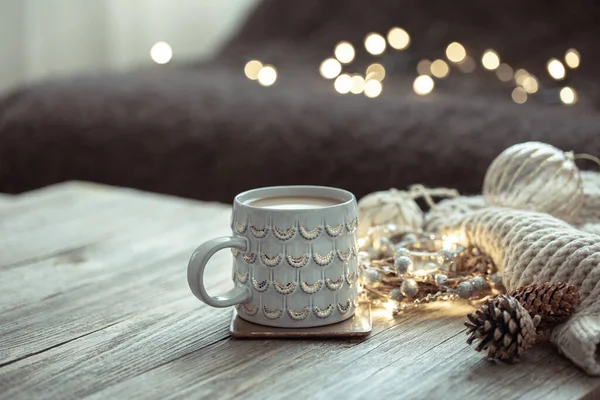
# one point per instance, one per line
(197, 264)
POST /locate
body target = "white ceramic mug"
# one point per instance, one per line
(293, 267)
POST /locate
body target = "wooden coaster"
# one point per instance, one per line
(358, 325)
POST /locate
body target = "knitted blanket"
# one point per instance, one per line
(530, 247)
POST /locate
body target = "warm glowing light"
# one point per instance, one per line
(389, 305)
(504, 72)
(568, 95)
(161, 53)
(373, 88)
(439, 69)
(267, 75)
(343, 84)
(358, 84)
(423, 85)
(449, 241)
(375, 43)
(520, 76)
(330, 68)
(490, 60)
(530, 84)
(467, 65)
(424, 67)
(398, 38)
(519, 95)
(375, 71)
(456, 52)
(556, 69)
(572, 58)
(344, 52)
(251, 69)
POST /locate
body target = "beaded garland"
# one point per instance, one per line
(403, 268)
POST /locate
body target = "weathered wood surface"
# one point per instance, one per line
(94, 303)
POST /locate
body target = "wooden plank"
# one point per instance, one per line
(114, 318)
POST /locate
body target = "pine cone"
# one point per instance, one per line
(553, 302)
(503, 327)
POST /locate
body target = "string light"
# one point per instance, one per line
(519, 95)
(423, 85)
(504, 72)
(375, 71)
(572, 58)
(267, 75)
(343, 84)
(556, 69)
(520, 76)
(375, 44)
(467, 65)
(568, 96)
(398, 38)
(251, 69)
(456, 52)
(358, 84)
(330, 68)
(490, 60)
(530, 84)
(373, 88)
(424, 67)
(161, 53)
(439, 69)
(344, 52)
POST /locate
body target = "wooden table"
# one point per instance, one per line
(94, 303)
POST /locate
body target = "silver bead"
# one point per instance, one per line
(384, 245)
(402, 251)
(371, 276)
(396, 294)
(403, 265)
(409, 288)
(440, 279)
(479, 283)
(464, 290)
(496, 279)
(445, 258)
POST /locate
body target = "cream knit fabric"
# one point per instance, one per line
(534, 247)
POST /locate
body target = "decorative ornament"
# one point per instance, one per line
(396, 294)
(388, 207)
(535, 176)
(464, 290)
(403, 264)
(409, 288)
(479, 283)
(384, 246)
(503, 327)
(553, 302)
(371, 276)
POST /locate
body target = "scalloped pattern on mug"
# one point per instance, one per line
(344, 256)
(270, 261)
(325, 260)
(239, 228)
(298, 315)
(260, 286)
(297, 262)
(284, 289)
(275, 313)
(323, 313)
(351, 225)
(259, 233)
(310, 234)
(344, 308)
(242, 277)
(335, 285)
(311, 288)
(250, 309)
(350, 277)
(284, 234)
(249, 258)
(334, 231)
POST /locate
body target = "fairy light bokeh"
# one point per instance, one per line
(439, 68)
(375, 71)
(373, 88)
(398, 38)
(252, 68)
(467, 65)
(424, 67)
(520, 76)
(343, 84)
(556, 69)
(456, 52)
(344, 52)
(423, 85)
(519, 95)
(358, 84)
(161, 52)
(267, 75)
(568, 96)
(330, 68)
(530, 84)
(490, 60)
(375, 44)
(504, 72)
(572, 58)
